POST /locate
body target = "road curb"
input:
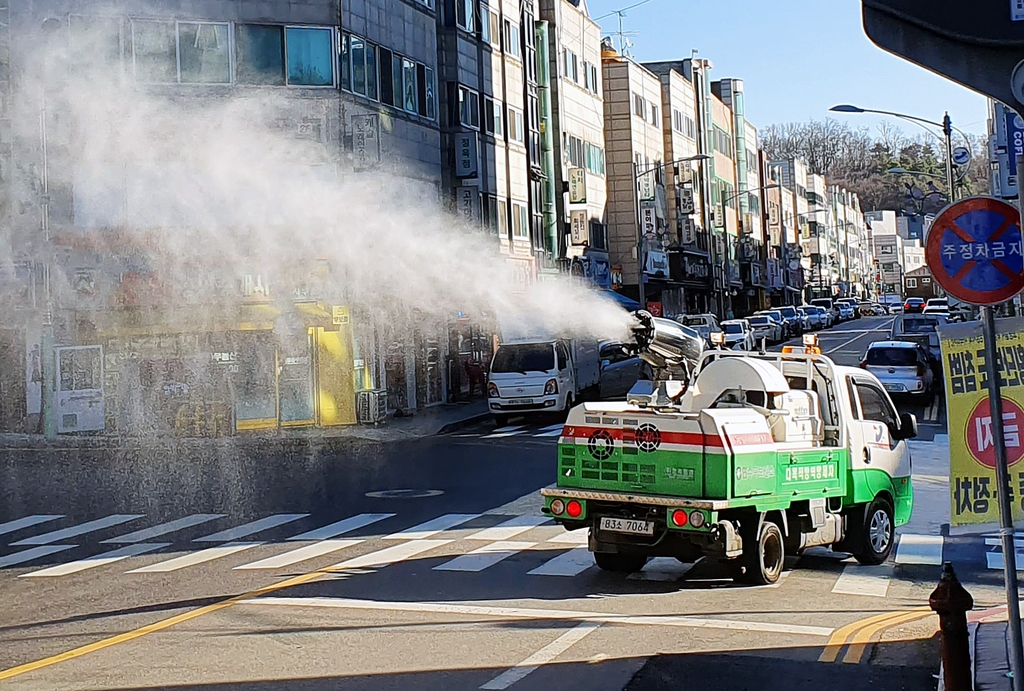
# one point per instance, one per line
(463, 423)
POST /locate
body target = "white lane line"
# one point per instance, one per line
(75, 530)
(919, 549)
(994, 560)
(571, 563)
(553, 428)
(510, 528)
(343, 526)
(484, 557)
(505, 432)
(433, 526)
(544, 656)
(92, 562)
(662, 569)
(860, 334)
(193, 558)
(252, 527)
(571, 537)
(556, 433)
(540, 614)
(864, 580)
(317, 549)
(30, 554)
(1018, 542)
(27, 522)
(389, 555)
(163, 529)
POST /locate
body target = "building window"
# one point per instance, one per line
(516, 129)
(493, 121)
(502, 218)
(520, 222)
(572, 66)
(410, 89)
(489, 207)
(259, 55)
(926, 281)
(310, 54)
(911, 282)
(594, 158)
(655, 120)
(203, 53)
(512, 46)
(490, 26)
(886, 249)
(466, 105)
(639, 106)
(465, 14)
(154, 52)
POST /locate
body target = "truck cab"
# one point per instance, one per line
(540, 376)
(759, 457)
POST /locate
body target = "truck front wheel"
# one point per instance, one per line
(764, 555)
(878, 533)
(619, 562)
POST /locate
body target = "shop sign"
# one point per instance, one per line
(577, 186)
(468, 202)
(465, 155)
(696, 268)
(972, 475)
(339, 315)
(580, 227)
(655, 308)
(254, 286)
(646, 185)
(657, 264)
(687, 231)
(648, 222)
(366, 140)
(685, 198)
(616, 276)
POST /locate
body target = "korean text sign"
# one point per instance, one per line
(972, 473)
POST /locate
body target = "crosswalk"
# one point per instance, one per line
(523, 430)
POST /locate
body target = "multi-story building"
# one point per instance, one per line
(887, 250)
(351, 86)
(913, 255)
(851, 240)
(575, 137)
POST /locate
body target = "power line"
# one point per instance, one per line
(619, 12)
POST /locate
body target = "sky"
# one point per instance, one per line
(797, 59)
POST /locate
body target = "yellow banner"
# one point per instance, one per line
(972, 475)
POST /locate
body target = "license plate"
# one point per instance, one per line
(625, 525)
(895, 387)
(521, 401)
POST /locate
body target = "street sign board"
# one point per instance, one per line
(974, 251)
(961, 155)
(1014, 138)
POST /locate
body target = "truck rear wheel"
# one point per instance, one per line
(501, 420)
(764, 555)
(619, 562)
(878, 534)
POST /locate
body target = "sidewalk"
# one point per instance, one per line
(425, 423)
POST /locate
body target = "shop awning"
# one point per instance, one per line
(625, 302)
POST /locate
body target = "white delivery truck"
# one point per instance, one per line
(541, 373)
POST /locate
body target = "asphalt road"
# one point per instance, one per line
(216, 568)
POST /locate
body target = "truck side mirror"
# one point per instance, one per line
(908, 426)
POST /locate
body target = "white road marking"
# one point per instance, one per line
(252, 528)
(552, 431)
(664, 569)
(484, 557)
(571, 537)
(30, 554)
(92, 562)
(163, 529)
(919, 549)
(864, 580)
(193, 558)
(75, 530)
(433, 526)
(994, 560)
(341, 527)
(26, 522)
(317, 549)
(571, 563)
(510, 528)
(389, 555)
(543, 656)
(1018, 542)
(505, 432)
(540, 614)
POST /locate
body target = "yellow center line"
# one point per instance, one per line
(156, 626)
(840, 636)
(863, 637)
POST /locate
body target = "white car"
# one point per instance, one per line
(739, 335)
(938, 306)
(765, 327)
(903, 368)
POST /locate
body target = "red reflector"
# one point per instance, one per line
(679, 517)
(574, 509)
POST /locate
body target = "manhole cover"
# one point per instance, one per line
(405, 493)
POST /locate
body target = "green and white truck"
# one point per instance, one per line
(744, 458)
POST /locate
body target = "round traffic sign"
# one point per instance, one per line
(961, 155)
(974, 250)
(979, 433)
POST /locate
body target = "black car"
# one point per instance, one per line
(913, 306)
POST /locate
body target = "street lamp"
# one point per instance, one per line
(637, 174)
(946, 126)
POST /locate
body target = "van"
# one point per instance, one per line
(827, 305)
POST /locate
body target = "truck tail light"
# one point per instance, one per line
(680, 518)
(697, 519)
(492, 390)
(557, 506)
(574, 509)
(551, 387)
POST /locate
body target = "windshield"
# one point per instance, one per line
(892, 357)
(919, 326)
(693, 321)
(787, 311)
(733, 328)
(822, 302)
(529, 357)
(760, 321)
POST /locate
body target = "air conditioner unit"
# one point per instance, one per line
(372, 406)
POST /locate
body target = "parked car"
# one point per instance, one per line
(846, 311)
(937, 306)
(826, 316)
(923, 330)
(704, 324)
(738, 334)
(796, 323)
(805, 317)
(902, 367)
(896, 308)
(787, 327)
(827, 304)
(619, 370)
(868, 309)
(852, 304)
(765, 328)
(815, 317)
(913, 305)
